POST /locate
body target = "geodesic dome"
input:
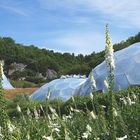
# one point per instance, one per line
(63, 88)
(5, 83)
(127, 70)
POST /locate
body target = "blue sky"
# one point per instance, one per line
(75, 26)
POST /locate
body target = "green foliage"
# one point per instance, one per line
(74, 115)
(39, 60)
(23, 84)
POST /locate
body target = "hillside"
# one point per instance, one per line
(40, 65)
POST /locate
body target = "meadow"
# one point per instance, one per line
(78, 118)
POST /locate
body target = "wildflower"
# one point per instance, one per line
(47, 138)
(65, 118)
(122, 138)
(130, 102)
(11, 127)
(28, 112)
(1, 67)
(93, 115)
(124, 100)
(53, 111)
(49, 94)
(18, 109)
(55, 130)
(96, 138)
(93, 82)
(109, 50)
(73, 99)
(85, 135)
(109, 59)
(88, 132)
(36, 114)
(103, 106)
(134, 96)
(91, 96)
(115, 112)
(89, 129)
(28, 136)
(106, 84)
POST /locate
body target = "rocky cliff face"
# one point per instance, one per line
(16, 67)
(51, 74)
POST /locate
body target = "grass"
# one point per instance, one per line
(81, 118)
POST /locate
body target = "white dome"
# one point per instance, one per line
(63, 88)
(5, 83)
(127, 70)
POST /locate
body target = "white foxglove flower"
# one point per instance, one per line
(73, 99)
(115, 112)
(48, 95)
(88, 127)
(85, 135)
(1, 66)
(91, 96)
(28, 112)
(106, 84)
(93, 115)
(18, 108)
(36, 114)
(11, 127)
(122, 138)
(130, 102)
(47, 138)
(93, 82)
(53, 111)
(134, 96)
(55, 130)
(109, 59)
(103, 106)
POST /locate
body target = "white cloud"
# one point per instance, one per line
(125, 11)
(84, 43)
(14, 10)
(14, 7)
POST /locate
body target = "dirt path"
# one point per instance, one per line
(12, 93)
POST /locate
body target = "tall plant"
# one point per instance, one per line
(3, 114)
(109, 58)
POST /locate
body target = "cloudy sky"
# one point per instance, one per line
(75, 26)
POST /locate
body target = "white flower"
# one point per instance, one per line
(76, 110)
(134, 96)
(92, 80)
(130, 102)
(18, 108)
(103, 106)
(28, 112)
(47, 138)
(1, 67)
(96, 138)
(106, 84)
(11, 127)
(73, 99)
(115, 112)
(93, 115)
(36, 114)
(53, 111)
(91, 96)
(49, 94)
(124, 100)
(55, 130)
(88, 127)
(122, 138)
(85, 135)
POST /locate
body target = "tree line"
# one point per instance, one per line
(40, 60)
